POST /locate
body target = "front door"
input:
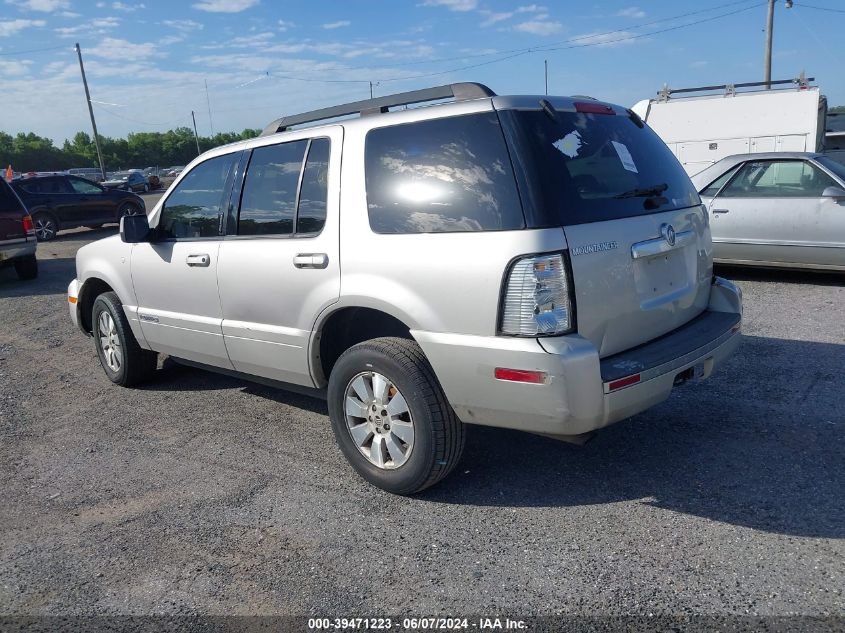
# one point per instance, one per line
(90, 199)
(175, 276)
(772, 211)
(280, 269)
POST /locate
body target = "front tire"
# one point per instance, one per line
(123, 360)
(391, 418)
(26, 267)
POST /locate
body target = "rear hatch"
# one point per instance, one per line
(639, 239)
(11, 214)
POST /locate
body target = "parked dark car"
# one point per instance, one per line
(17, 234)
(128, 181)
(66, 202)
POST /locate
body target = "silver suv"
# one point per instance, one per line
(533, 263)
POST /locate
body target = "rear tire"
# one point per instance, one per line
(123, 360)
(128, 208)
(46, 226)
(432, 438)
(26, 267)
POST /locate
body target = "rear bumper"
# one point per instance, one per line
(581, 392)
(14, 249)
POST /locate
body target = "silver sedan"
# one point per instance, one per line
(779, 209)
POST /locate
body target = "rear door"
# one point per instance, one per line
(175, 276)
(638, 236)
(773, 211)
(281, 267)
(92, 205)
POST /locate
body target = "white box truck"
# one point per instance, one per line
(703, 125)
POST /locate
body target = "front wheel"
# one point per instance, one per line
(391, 418)
(146, 187)
(123, 360)
(128, 208)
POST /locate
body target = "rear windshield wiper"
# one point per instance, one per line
(646, 192)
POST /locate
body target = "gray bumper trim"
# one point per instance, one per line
(701, 335)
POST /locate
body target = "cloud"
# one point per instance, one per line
(284, 25)
(635, 13)
(97, 26)
(453, 5)
(117, 49)
(225, 6)
(619, 38)
(10, 27)
(185, 26)
(337, 25)
(246, 41)
(45, 6)
(698, 64)
(129, 8)
(494, 18)
(539, 25)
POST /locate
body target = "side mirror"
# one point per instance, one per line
(833, 192)
(135, 229)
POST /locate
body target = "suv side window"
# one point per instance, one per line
(268, 203)
(83, 186)
(778, 179)
(194, 207)
(442, 175)
(279, 196)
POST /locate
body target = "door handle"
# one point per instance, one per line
(311, 260)
(720, 211)
(198, 260)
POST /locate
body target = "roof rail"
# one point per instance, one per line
(459, 92)
(730, 89)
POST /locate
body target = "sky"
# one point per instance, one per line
(243, 63)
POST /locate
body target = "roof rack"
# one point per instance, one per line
(459, 92)
(801, 81)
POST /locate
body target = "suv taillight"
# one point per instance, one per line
(28, 226)
(537, 298)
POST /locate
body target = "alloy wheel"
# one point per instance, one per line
(378, 420)
(109, 341)
(45, 228)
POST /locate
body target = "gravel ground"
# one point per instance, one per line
(201, 494)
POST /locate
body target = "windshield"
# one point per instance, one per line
(579, 167)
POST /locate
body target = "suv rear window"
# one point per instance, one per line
(577, 167)
(8, 200)
(440, 176)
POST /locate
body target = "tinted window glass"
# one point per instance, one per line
(778, 179)
(441, 175)
(193, 208)
(8, 200)
(833, 166)
(578, 167)
(47, 186)
(268, 204)
(83, 186)
(712, 189)
(315, 182)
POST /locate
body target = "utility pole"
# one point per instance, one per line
(91, 112)
(196, 136)
(371, 90)
(208, 103)
(546, 67)
(767, 59)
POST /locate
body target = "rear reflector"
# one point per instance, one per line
(28, 226)
(593, 108)
(520, 375)
(624, 382)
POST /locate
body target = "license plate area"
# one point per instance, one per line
(661, 278)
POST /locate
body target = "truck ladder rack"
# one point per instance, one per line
(458, 92)
(730, 89)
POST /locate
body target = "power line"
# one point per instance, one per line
(33, 50)
(810, 6)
